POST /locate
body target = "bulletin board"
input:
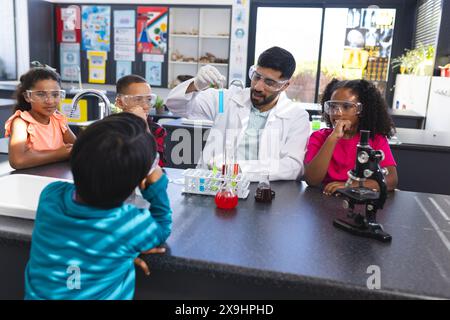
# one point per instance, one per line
(99, 42)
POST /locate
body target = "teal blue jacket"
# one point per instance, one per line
(83, 252)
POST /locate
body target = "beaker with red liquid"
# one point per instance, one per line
(226, 198)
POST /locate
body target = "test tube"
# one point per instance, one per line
(221, 101)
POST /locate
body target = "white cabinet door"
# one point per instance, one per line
(411, 93)
(438, 113)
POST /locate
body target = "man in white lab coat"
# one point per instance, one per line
(257, 127)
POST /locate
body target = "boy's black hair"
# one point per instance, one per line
(28, 80)
(110, 158)
(278, 59)
(374, 115)
(123, 83)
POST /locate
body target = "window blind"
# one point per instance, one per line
(427, 22)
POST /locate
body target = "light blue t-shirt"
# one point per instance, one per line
(82, 252)
(249, 145)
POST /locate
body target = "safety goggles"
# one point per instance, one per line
(335, 106)
(43, 95)
(145, 99)
(270, 84)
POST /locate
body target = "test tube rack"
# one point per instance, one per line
(208, 182)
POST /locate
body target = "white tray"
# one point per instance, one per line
(206, 178)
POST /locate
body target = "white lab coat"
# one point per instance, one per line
(282, 143)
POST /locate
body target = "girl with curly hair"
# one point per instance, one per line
(349, 106)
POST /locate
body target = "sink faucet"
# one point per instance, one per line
(105, 106)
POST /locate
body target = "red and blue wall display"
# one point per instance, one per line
(152, 29)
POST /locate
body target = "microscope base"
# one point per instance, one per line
(374, 232)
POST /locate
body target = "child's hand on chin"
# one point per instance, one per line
(340, 127)
(151, 178)
(139, 111)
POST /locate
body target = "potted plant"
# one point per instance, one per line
(418, 61)
(159, 105)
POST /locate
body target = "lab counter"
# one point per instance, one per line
(288, 249)
(423, 158)
(407, 119)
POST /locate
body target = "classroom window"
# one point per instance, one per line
(8, 64)
(356, 44)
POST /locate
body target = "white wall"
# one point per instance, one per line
(7, 40)
(22, 37)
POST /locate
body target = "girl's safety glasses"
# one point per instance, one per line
(43, 95)
(335, 106)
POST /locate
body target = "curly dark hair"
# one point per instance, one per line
(374, 115)
(28, 80)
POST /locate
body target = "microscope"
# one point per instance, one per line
(367, 166)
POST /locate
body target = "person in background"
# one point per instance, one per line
(349, 106)
(266, 131)
(134, 95)
(38, 132)
(85, 235)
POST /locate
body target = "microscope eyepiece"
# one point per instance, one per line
(364, 139)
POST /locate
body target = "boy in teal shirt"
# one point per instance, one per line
(85, 237)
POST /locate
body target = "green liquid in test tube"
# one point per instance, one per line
(315, 124)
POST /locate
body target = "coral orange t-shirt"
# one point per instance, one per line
(41, 136)
(344, 154)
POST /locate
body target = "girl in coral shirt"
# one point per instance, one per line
(39, 134)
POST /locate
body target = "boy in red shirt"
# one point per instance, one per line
(134, 95)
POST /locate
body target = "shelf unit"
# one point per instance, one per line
(194, 32)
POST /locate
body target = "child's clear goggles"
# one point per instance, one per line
(144, 99)
(43, 95)
(270, 84)
(336, 106)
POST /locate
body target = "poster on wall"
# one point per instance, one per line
(123, 68)
(124, 52)
(69, 57)
(68, 26)
(124, 36)
(97, 66)
(368, 44)
(96, 25)
(153, 57)
(152, 30)
(238, 43)
(124, 18)
(153, 73)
